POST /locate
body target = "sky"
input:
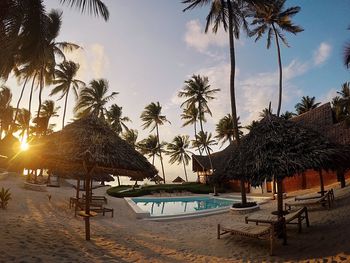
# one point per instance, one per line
(147, 49)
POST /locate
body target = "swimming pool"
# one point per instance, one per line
(178, 206)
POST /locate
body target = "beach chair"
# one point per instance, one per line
(253, 231)
(323, 200)
(298, 215)
(330, 192)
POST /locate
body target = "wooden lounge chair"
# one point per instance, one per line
(330, 192)
(299, 215)
(253, 231)
(323, 200)
(104, 210)
(97, 198)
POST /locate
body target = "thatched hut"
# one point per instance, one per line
(10, 146)
(276, 148)
(157, 179)
(178, 180)
(88, 145)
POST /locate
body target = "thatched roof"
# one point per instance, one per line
(9, 146)
(96, 176)
(178, 180)
(321, 120)
(157, 178)
(92, 140)
(282, 148)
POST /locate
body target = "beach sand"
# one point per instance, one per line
(36, 229)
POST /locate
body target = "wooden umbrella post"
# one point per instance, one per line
(321, 182)
(78, 189)
(88, 171)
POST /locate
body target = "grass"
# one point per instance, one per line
(195, 188)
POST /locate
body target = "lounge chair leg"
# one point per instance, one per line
(218, 231)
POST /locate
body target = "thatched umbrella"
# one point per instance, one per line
(278, 148)
(10, 146)
(178, 180)
(90, 145)
(157, 179)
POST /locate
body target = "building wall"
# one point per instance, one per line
(310, 179)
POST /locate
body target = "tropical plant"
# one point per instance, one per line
(190, 116)
(177, 150)
(204, 141)
(5, 197)
(6, 110)
(272, 19)
(224, 129)
(152, 117)
(130, 136)
(347, 54)
(48, 110)
(288, 115)
(93, 99)
(65, 81)
(23, 123)
(306, 105)
(345, 96)
(265, 112)
(96, 7)
(115, 119)
(150, 146)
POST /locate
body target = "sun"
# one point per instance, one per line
(24, 146)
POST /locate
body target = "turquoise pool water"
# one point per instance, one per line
(180, 205)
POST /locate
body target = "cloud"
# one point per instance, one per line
(200, 41)
(322, 53)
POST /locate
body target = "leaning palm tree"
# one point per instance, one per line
(273, 19)
(178, 152)
(65, 81)
(224, 129)
(152, 117)
(190, 116)
(93, 99)
(115, 119)
(306, 105)
(130, 136)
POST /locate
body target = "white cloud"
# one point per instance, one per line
(196, 38)
(322, 53)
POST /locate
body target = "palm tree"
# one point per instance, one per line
(93, 99)
(338, 108)
(345, 96)
(115, 119)
(190, 116)
(306, 104)
(65, 81)
(178, 151)
(48, 110)
(288, 115)
(150, 146)
(204, 141)
(96, 7)
(130, 136)
(6, 110)
(23, 123)
(272, 19)
(347, 54)
(265, 112)
(152, 117)
(224, 129)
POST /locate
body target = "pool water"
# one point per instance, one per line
(180, 205)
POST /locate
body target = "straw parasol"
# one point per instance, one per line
(178, 180)
(157, 179)
(278, 148)
(89, 145)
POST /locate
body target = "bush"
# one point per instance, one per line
(240, 205)
(5, 197)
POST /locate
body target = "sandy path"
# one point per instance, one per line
(34, 229)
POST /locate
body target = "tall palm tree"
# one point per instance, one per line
(23, 123)
(150, 146)
(224, 129)
(48, 110)
(5, 108)
(204, 141)
(152, 117)
(65, 81)
(93, 99)
(178, 152)
(115, 119)
(347, 54)
(306, 104)
(130, 136)
(273, 19)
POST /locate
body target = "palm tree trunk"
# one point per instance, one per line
(40, 93)
(232, 91)
(17, 106)
(160, 153)
(65, 108)
(30, 102)
(201, 124)
(183, 161)
(195, 137)
(280, 71)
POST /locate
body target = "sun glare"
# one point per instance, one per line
(24, 146)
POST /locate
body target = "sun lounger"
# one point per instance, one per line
(97, 198)
(252, 231)
(315, 196)
(323, 200)
(103, 210)
(298, 215)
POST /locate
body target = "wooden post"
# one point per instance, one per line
(321, 182)
(78, 189)
(88, 171)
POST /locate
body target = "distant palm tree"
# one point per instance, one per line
(130, 136)
(178, 152)
(48, 110)
(251, 125)
(93, 99)
(272, 19)
(345, 96)
(204, 141)
(224, 129)
(306, 105)
(190, 116)
(152, 117)
(23, 123)
(338, 108)
(115, 119)
(150, 146)
(265, 112)
(288, 115)
(65, 81)
(6, 111)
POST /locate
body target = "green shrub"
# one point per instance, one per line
(5, 197)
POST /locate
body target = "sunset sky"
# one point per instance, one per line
(148, 49)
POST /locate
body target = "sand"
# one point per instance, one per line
(36, 229)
